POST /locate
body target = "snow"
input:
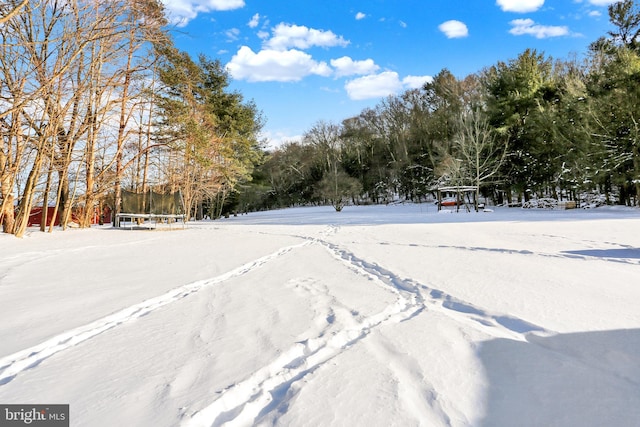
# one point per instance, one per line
(375, 316)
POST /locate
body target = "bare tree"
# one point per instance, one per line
(479, 151)
(336, 185)
(11, 9)
(67, 69)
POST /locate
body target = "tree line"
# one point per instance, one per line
(525, 128)
(95, 98)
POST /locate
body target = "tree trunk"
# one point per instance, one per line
(7, 214)
(636, 165)
(26, 202)
(45, 200)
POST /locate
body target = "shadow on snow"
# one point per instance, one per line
(579, 379)
(627, 253)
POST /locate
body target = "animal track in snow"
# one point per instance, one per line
(13, 364)
(273, 386)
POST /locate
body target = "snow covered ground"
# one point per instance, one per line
(375, 316)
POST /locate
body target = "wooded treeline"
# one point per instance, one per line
(95, 98)
(528, 127)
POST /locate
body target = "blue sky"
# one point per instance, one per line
(303, 61)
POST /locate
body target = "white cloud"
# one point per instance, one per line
(374, 86)
(346, 66)
(300, 37)
(232, 34)
(277, 138)
(415, 82)
(528, 27)
(595, 13)
(282, 57)
(520, 6)
(180, 12)
(275, 65)
(255, 20)
(330, 89)
(454, 29)
(382, 85)
(360, 16)
(602, 2)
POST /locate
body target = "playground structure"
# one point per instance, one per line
(156, 208)
(456, 196)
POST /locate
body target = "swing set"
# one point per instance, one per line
(458, 195)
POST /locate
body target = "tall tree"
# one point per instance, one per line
(214, 131)
(625, 17)
(61, 67)
(615, 121)
(614, 111)
(141, 28)
(291, 172)
(480, 149)
(444, 98)
(519, 95)
(336, 185)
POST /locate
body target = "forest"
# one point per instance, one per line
(95, 100)
(526, 128)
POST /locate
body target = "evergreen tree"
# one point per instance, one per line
(521, 94)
